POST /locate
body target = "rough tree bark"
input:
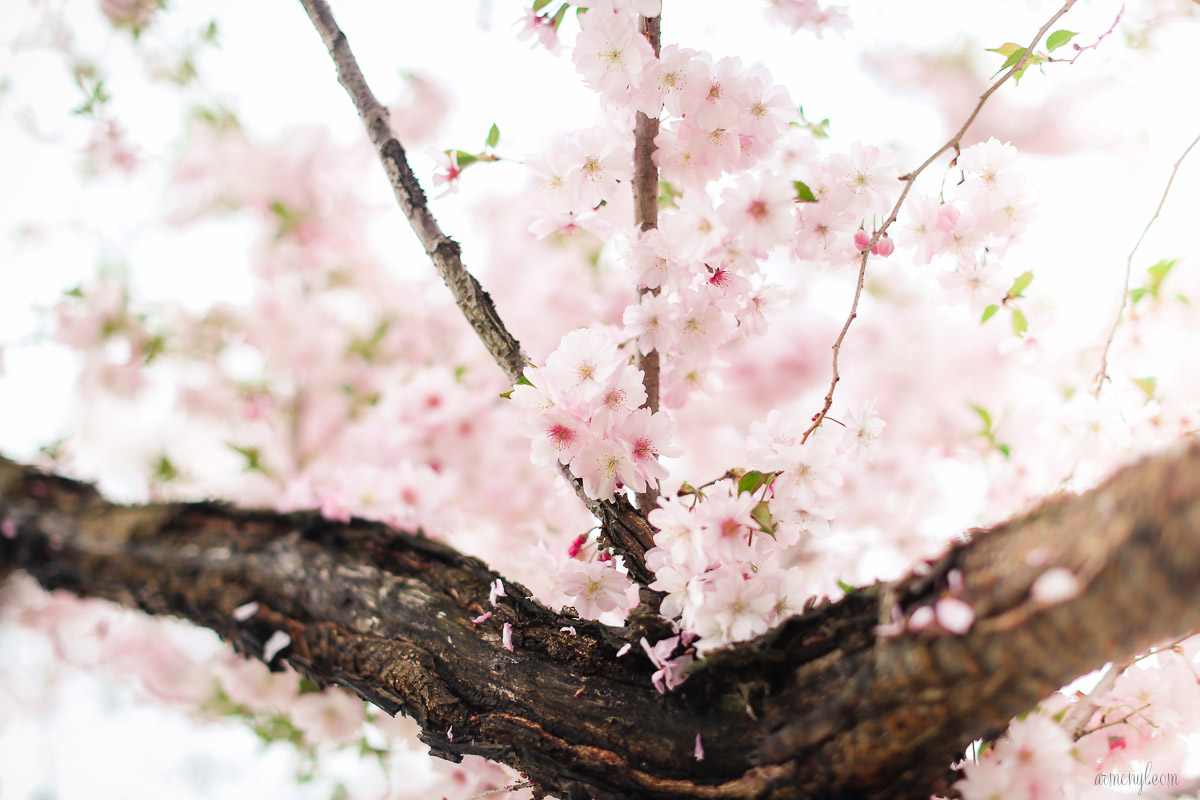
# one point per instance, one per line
(822, 706)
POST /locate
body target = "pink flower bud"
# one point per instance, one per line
(884, 247)
(861, 240)
(576, 546)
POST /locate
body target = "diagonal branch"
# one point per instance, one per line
(475, 304)
(825, 705)
(623, 527)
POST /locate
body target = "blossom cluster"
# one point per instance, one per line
(584, 410)
(728, 556)
(982, 215)
(1139, 726)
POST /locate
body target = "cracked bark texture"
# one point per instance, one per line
(820, 707)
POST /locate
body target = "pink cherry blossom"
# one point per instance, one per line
(596, 588)
(759, 211)
(610, 54)
(603, 465)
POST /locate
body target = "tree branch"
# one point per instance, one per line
(645, 208)
(825, 705)
(623, 527)
(1102, 373)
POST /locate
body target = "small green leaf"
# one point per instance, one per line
(1159, 271)
(988, 313)
(1137, 294)
(668, 195)
(1019, 323)
(493, 136)
(1012, 59)
(751, 482)
(165, 471)
(1147, 385)
(1006, 49)
(985, 416)
(846, 587)
(560, 15)
(762, 515)
(154, 348)
(1059, 38)
(1004, 449)
(463, 157)
(1020, 284)
(538, 5)
(803, 193)
(253, 458)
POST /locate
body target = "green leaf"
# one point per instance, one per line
(1147, 385)
(560, 15)
(165, 471)
(1006, 49)
(493, 136)
(538, 5)
(463, 157)
(762, 515)
(1019, 323)
(1004, 449)
(985, 416)
(803, 193)
(253, 458)
(846, 587)
(154, 348)
(1137, 294)
(988, 313)
(1158, 272)
(1020, 284)
(1012, 59)
(1059, 38)
(751, 482)
(668, 195)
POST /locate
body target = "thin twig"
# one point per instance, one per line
(626, 530)
(645, 208)
(1081, 712)
(1075, 719)
(1102, 374)
(1080, 49)
(1122, 721)
(909, 180)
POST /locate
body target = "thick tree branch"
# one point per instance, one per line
(823, 706)
(623, 527)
